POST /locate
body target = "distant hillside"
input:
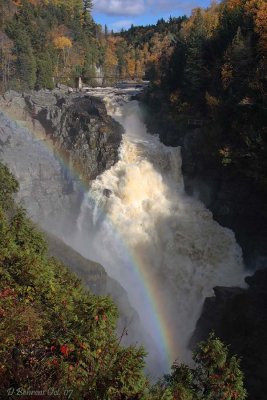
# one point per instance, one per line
(44, 42)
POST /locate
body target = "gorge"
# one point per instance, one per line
(135, 219)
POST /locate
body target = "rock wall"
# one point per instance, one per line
(239, 317)
(235, 200)
(82, 132)
(55, 143)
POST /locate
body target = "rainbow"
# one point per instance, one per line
(165, 332)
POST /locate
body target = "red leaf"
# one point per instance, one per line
(55, 362)
(6, 292)
(64, 350)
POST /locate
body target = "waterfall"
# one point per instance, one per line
(161, 245)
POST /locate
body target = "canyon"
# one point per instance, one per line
(119, 200)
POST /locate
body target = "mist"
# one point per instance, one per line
(162, 246)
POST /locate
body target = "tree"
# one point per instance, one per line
(217, 376)
(260, 17)
(88, 24)
(63, 44)
(194, 73)
(236, 71)
(7, 59)
(45, 69)
(106, 31)
(26, 62)
(8, 185)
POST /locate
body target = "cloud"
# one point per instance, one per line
(135, 8)
(173, 5)
(120, 7)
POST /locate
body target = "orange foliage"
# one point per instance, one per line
(232, 4)
(258, 10)
(261, 26)
(211, 101)
(110, 59)
(62, 42)
(139, 69)
(131, 67)
(17, 3)
(210, 21)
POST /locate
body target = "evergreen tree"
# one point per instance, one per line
(217, 376)
(45, 71)
(194, 73)
(26, 62)
(88, 24)
(240, 57)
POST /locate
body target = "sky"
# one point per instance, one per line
(118, 14)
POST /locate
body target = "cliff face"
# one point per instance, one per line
(51, 141)
(82, 132)
(234, 198)
(239, 317)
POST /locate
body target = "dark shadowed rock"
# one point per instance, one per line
(237, 201)
(107, 192)
(239, 318)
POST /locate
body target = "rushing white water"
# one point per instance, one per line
(137, 218)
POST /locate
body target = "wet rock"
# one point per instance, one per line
(107, 193)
